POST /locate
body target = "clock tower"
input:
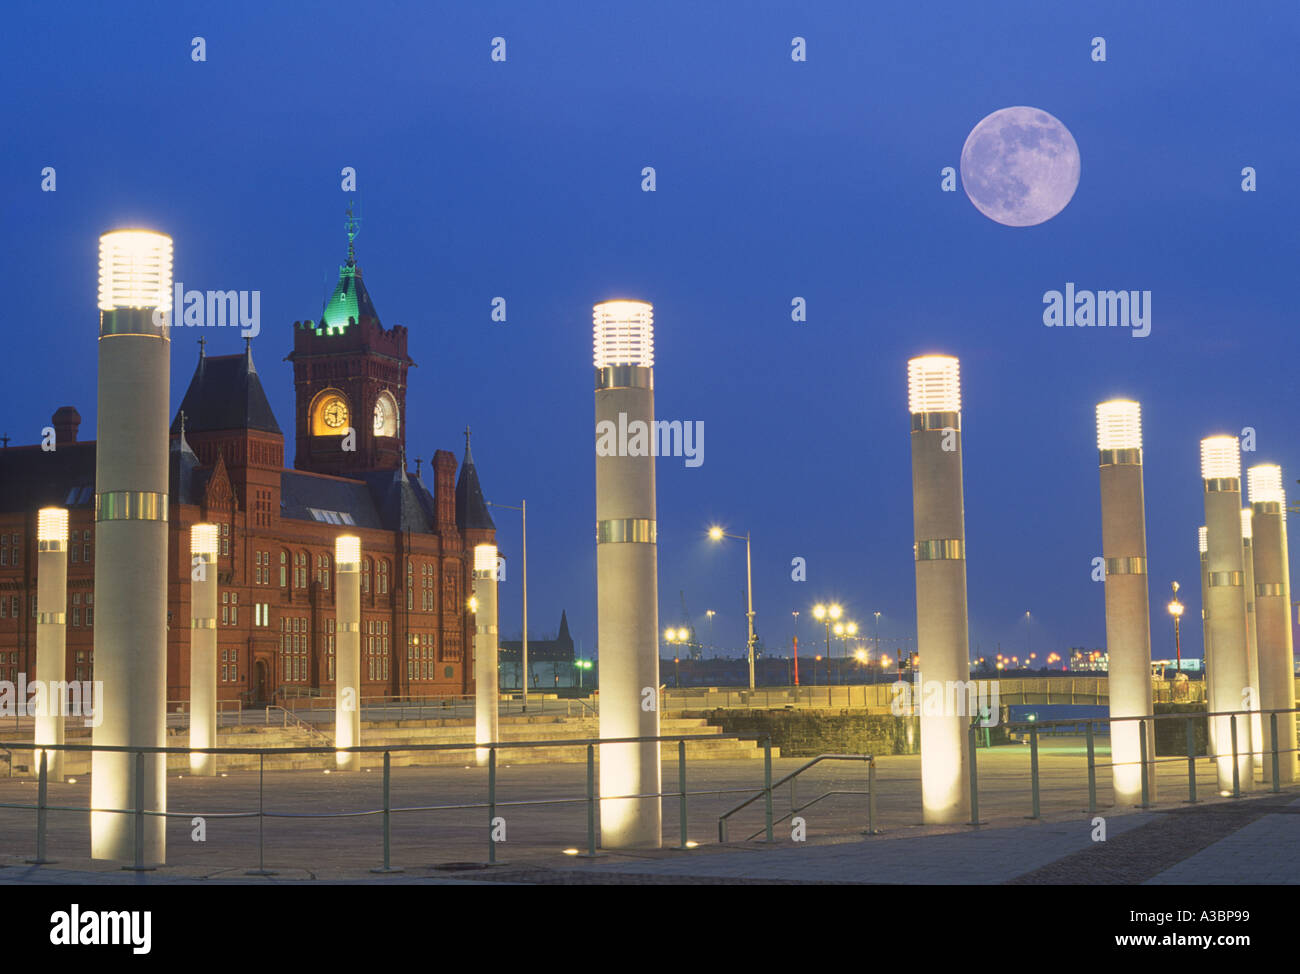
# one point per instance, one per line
(350, 382)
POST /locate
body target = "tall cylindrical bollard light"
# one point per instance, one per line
(135, 282)
(1203, 548)
(51, 631)
(1128, 613)
(1225, 577)
(1252, 644)
(347, 650)
(203, 647)
(934, 400)
(627, 586)
(1273, 611)
(486, 683)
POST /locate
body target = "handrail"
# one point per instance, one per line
(795, 810)
(298, 721)
(767, 790)
(140, 812)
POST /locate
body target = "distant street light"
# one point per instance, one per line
(827, 614)
(717, 534)
(796, 647)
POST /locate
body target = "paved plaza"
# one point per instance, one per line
(322, 827)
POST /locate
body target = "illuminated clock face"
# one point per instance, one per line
(335, 413)
(385, 420)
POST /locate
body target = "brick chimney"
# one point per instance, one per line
(444, 490)
(66, 421)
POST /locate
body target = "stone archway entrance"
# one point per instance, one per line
(261, 682)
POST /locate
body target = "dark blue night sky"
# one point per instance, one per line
(821, 179)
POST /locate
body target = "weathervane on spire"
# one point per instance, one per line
(352, 233)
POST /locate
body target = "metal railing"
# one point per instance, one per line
(795, 808)
(289, 719)
(881, 696)
(230, 713)
(1147, 762)
(139, 810)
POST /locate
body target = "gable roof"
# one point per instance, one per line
(225, 393)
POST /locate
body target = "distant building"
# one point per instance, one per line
(276, 572)
(557, 650)
(1089, 661)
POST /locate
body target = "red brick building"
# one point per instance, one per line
(277, 525)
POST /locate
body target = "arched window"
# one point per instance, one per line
(383, 576)
(300, 563)
(323, 571)
(284, 569)
(367, 566)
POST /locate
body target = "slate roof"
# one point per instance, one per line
(226, 394)
(300, 491)
(31, 478)
(399, 503)
(471, 509)
(185, 478)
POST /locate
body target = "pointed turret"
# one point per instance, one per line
(350, 303)
(471, 510)
(182, 462)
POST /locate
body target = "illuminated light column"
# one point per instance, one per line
(51, 631)
(1273, 614)
(347, 650)
(627, 587)
(203, 646)
(934, 400)
(1230, 676)
(1252, 645)
(1203, 547)
(486, 692)
(135, 283)
(1128, 618)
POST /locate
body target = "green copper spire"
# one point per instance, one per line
(350, 301)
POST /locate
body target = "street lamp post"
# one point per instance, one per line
(796, 647)
(827, 614)
(717, 534)
(523, 673)
(1176, 610)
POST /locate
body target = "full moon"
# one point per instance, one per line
(1020, 166)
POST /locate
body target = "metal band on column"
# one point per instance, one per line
(633, 530)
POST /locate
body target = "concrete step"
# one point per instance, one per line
(398, 733)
